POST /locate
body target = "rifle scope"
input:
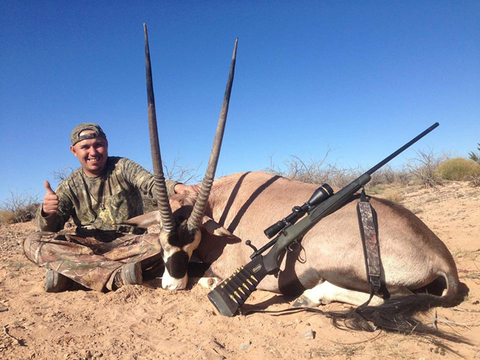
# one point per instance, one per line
(319, 195)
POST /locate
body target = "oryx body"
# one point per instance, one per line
(329, 259)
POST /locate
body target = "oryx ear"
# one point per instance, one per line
(145, 220)
(214, 228)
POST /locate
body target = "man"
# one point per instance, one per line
(102, 254)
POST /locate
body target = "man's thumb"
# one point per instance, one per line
(48, 187)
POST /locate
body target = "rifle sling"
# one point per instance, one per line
(367, 219)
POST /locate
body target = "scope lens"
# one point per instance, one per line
(321, 194)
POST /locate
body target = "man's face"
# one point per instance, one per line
(92, 154)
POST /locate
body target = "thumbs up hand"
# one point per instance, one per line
(50, 201)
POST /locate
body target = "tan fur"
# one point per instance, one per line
(247, 203)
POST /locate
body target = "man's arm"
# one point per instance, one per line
(144, 181)
(49, 217)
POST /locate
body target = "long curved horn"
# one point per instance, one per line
(160, 187)
(195, 219)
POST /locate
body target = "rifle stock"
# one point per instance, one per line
(232, 293)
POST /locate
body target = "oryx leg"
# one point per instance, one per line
(208, 282)
(202, 276)
(326, 292)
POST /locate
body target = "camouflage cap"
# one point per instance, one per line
(97, 132)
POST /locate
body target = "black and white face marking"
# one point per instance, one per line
(178, 247)
(176, 264)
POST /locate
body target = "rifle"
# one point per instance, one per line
(231, 294)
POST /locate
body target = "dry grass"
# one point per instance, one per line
(18, 208)
(393, 195)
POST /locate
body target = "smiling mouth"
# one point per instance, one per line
(93, 159)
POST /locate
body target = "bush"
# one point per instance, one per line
(458, 169)
(314, 172)
(393, 195)
(23, 207)
(6, 217)
(317, 172)
(475, 180)
(387, 175)
(424, 166)
(62, 174)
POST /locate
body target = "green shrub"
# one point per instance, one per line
(474, 156)
(458, 169)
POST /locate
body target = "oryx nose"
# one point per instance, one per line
(169, 283)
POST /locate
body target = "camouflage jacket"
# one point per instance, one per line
(101, 202)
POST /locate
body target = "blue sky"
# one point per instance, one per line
(360, 78)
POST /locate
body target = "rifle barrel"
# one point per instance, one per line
(333, 203)
(407, 145)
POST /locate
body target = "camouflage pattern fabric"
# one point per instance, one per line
(99, 247)
(91, 261)
(97, 132)
(368, 231)
(102, 202)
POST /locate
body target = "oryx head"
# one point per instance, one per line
(179, 237)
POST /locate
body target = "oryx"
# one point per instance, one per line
(327, 264)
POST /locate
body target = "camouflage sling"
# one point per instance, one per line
(367, 218)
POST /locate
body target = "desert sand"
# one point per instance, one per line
(147, 322)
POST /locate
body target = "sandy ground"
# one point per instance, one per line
(147, 322)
